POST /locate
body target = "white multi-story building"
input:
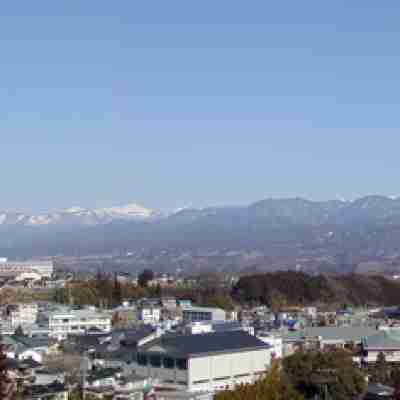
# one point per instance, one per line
(16, 268)
(23, 314)
(72, 322)
(207, 362)
(386, 342)
(197, 314)
(196, 328)
(150, 315)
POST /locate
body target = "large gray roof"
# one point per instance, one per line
(217, 342)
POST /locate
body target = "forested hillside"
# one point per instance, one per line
(296, 288)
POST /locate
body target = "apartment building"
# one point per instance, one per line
(150, 315)
(14, 269)
(22, 314)
(197, 314)
(386, 342)
(70, 322)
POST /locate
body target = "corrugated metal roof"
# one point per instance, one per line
(217, 342)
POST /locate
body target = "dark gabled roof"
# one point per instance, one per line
(38, 391)
(32, 342)
(102, 373)
(30, 363)
(134, 336)
(124, 354)
(83, 343)
(95, 330)
(191, 345)
(379, 390)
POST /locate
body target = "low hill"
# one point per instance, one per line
(296, 288)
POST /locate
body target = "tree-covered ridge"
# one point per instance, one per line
(296, 288)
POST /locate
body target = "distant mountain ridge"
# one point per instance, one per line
(302, 211)
(286, 232)
(79, 216)
(294, 210)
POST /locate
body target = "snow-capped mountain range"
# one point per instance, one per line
(79, 216)
(295, 210)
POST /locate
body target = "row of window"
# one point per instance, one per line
(72, 320)
(197, 316)
(173, 382)
(222, 378)
(165, 362)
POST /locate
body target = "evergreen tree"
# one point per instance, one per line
(332, 374)
(274, 386)
(380, 373)
(6, 386)
(144, 278)
(19, 331)
(117, 291)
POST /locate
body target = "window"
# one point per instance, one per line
(222, 378)
(181, 363)
(142, 359)
(169, 363)
(182, 382)
(155, 361)
(200, 382)
(65, 321)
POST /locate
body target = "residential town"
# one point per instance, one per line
(166, 347)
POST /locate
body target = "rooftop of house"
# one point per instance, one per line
(380, 390)
(32, 342)
(38, 391)
(81, 313)
(216, 342)
(134, 335)
(218, 326)
(19, 344)
(347, 334)
(201, 309)
(389, 339)
(84, 343)
(102, 373)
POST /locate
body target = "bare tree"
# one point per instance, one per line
(68, 364)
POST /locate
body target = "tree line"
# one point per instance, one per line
(105, 291)
(296, 288)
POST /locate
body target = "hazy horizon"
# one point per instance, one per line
(197, 104)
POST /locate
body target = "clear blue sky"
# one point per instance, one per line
(170, 103)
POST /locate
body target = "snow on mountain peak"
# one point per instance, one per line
(132, 210)
(79, 216)
(73, 210)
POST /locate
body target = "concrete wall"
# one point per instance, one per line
(219, 371)
(212, 372)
